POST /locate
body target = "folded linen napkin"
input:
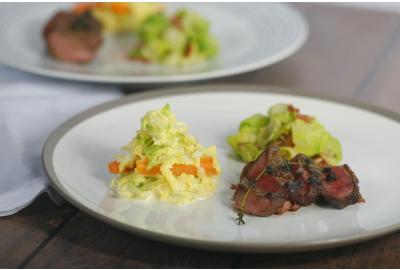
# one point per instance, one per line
(30, 108)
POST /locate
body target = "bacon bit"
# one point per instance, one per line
(286, 140)
(188, 50)
(320, 161)
(293, 109)
(305, 118)
(177, 22)
(298, 115)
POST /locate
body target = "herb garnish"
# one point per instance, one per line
(269, 170)
(240, 219)
(286, 166)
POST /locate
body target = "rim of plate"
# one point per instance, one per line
(248, 247)
(284, 53)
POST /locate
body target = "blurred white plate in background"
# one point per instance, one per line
(251, 36)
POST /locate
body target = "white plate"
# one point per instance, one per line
(76, 157)
(251, 36)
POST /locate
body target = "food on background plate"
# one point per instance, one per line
(178, 41)
(272, 184)
(294, 132)
(165, 162)
(73, 37)
(120, 17)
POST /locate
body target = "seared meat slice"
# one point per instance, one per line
(262, 198)
(265, 192)
(305, 188)
(340, 186)
(254, 168)
(73, 37)
(272, 158)
(271, 185)
(254, 204)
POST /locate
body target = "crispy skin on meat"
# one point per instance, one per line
(73, 37)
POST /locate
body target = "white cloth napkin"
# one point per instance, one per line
(30, 108)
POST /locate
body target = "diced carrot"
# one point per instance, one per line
(206, 162)
(120, 8)
(100, 4)
(113, 167)
(141, 167)
(210, 170)
(179, 169)
(208, 165)
(82, 7)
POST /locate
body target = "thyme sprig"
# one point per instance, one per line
(239, 219)
(252, 185)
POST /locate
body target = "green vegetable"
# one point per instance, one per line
(162, 137)
(153, 27)
(176, 41)
(245, 142)
(163, 141)
(258, 131)
(309, 137)
(280, 120)
(312, 139)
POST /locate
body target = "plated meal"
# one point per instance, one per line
(292, 162)
(130, 43)
(138, 196)
(180, 39)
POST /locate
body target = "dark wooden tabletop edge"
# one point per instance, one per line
(35, 251)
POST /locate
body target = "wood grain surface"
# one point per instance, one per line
(350, 53)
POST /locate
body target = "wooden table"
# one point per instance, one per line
(350, 53)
